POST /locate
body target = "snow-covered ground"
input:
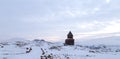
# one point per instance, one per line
(40, 49)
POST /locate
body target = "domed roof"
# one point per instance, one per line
(70, 35)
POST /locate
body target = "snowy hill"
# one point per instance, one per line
(100, 48)
(113, 40)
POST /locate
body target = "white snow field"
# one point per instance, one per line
(102, 48)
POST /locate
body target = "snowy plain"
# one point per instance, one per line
(102, 48)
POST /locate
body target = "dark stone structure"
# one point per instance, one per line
(69, 40)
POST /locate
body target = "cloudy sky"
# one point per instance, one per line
(53, 19)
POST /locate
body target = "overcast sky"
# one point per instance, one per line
(53, 19)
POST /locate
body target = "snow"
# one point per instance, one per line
(114, 40)
(93, 49)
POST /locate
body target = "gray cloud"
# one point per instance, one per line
(31, 17)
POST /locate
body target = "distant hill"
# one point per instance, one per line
(112, 40)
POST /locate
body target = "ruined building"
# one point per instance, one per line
(69, 40)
